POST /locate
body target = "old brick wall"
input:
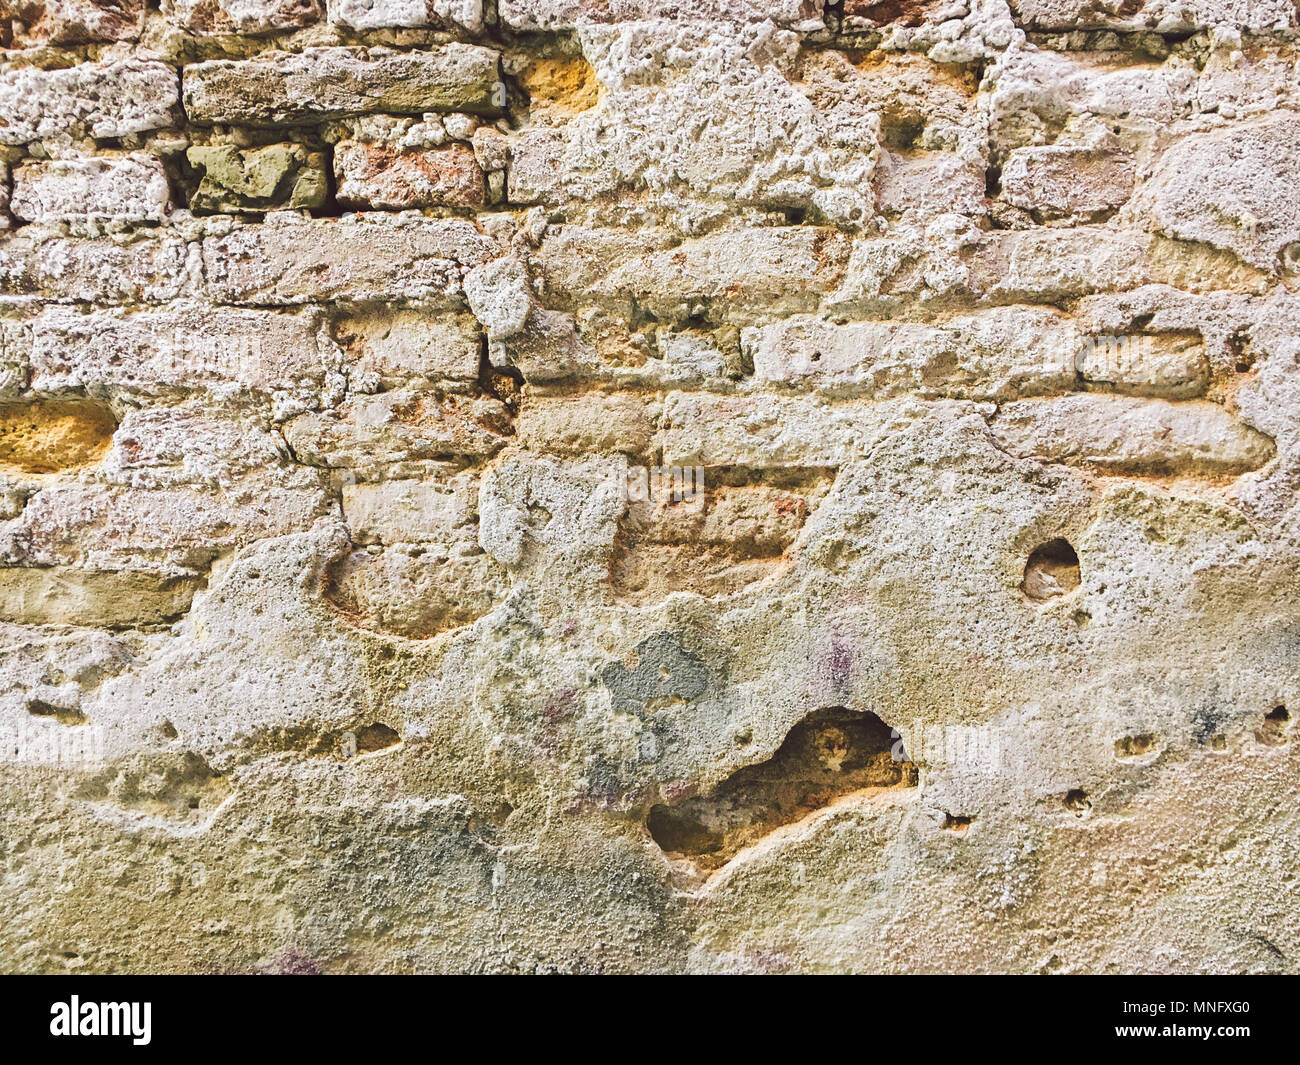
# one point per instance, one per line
(614, 485)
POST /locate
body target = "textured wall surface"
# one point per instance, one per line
(616, 485)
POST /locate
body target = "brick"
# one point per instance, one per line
(1235, 189)
(930, 183)
(405, 426)
(120, 188)
(588, 424)
(140, 268)
(110, 99)
(1257, 16)
(177, 349)
(74, 595)
(1000, 352)
(416, 594)
(399, 347)
(206, 17)
(257, 179)
(1172, 366)
(110, 527)
(15, 347)
(537, 173)
(375, 175)
(197, 443)
(560, 15)
(384, 14)
(40, 436)
(873, 13)
(773, 269)
(773, 431)
(323, 83)
(1056, 264)
(1124, 434)
(74, 21)
(1060, 181)
(350, 258)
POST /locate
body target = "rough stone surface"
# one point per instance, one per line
(370, 175)
(608, 486)
(256, 179)
(384, 14)
(41, 22)
(256, 17)
(128, 188)
(283, 88)
(110, 99)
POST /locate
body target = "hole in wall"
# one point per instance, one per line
(826, 756)
(376, 737)
(1275, 728)
(1141, 745)
(1052, 570)
(1076, 801)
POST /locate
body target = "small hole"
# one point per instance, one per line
(1274, 732)
(376, 737)
(1076, 800)
(1139, 746)
(1052, 570)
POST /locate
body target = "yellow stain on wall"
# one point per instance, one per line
(567, 84)
(53, 435)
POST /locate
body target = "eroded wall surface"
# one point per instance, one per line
(606, 485)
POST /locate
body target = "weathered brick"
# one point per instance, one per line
(103, 188)
(141, 268)
(257, 179)
(1237, 189)
(44, 435)
(110, 99)
(105, 599)
(537, 172)
(567, 14)
(773, 431)
(1130, 435)
(1055, 264)
(243, 16)
(1061, 181)
(180, 349)
(375, 175)
(383, 14)
(15, 347)
(350, 258)
(1162, 15)
(588, 424)
(403, 426)
(773, 269)
(107, 526)
(399, 347)
(201, 444)
(416, 594)
(321, 83)
(38, 22)
(871, 14)
(929, 183)
(1005, 351)
(1145, 365)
